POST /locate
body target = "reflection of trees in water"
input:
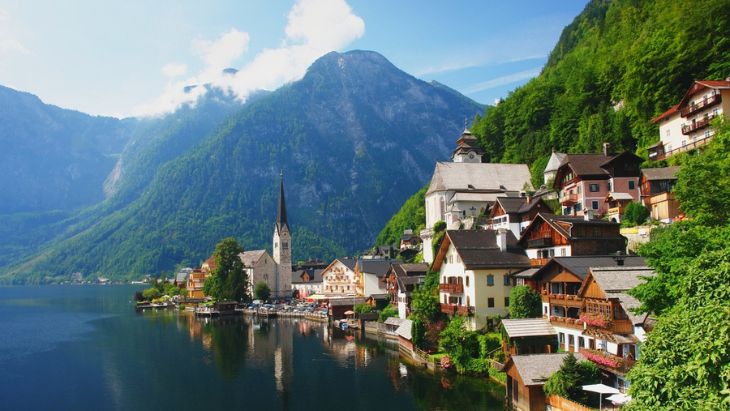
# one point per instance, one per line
(228, 345)
(453, 392)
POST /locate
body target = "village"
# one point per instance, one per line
(569, 246)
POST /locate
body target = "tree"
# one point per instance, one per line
(703, 182)
(685, 361)
(151, 293)
(635, 214)
(568, 381)
(262, 291)
(362, 308)
(387, 312)
(228, 280)
(524, 302)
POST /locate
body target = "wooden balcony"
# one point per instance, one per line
(568, 199)
(696, 125)
(449, 309)
(451, 288)
(465, 310)
(687, 147)
(453, 309)
(693, 108)
(564, 300)
(540, 242)
(566, 322)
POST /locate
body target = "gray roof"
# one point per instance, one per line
(394, 321)
(579, 265)
(662, 173)
(479, 176)
(630, 303)
(527, 273)
(528, 327)
(535, 369)
(479, 249)
(404, 329)
(618, 279)
(556, 159)
(348, 262)
(377, 266)
(249, 258)
(314, 273)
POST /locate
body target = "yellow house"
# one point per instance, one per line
(475, 273)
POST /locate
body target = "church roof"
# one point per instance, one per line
(556, 159)
(281, 220)
(249, 258)
(479, 176)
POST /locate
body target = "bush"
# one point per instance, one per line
(262, 291)
(635, 214)
(524, 302)
(387, 312)
(569, 380)
(151, 293)
(362, 308)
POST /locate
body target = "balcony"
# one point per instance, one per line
(607, 360)
(453, 309)
(564, 300)
(693, 108)
(540, 242)
(566, 322)
(451, 288)
(449, 309)
(538, 262)
(568, 199)
(464, 310)
(696, 125)
(687, 147)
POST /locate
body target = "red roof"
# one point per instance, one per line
(666, 114)
(715, 83)
(211, 262)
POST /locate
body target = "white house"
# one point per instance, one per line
(339, 279)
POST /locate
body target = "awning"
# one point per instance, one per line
(349, 312)
(317, 297)
(601, 389)
(619, 399)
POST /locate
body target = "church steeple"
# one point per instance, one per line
(281, 210)
(467, 149)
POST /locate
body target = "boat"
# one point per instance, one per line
(206, 312)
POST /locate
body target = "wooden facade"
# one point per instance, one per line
(521, 396)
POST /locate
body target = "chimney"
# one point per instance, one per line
(501, 236)
(588, 215)
(605, 148)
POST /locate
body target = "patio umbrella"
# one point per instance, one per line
(619, 399)
(600, 389)
(350, 312)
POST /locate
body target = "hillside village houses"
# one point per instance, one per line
(401, 280)
(686, 125)
(462, 189)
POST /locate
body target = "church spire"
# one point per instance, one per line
(281, 210)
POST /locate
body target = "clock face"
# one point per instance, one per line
(471, 155)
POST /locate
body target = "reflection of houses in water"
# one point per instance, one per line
(272, 339)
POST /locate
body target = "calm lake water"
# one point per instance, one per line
(84, 348)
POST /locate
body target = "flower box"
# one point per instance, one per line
(596, 320)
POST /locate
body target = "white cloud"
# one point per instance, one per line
(8, 43)
(504, 80)
(174, 69)
(314, 28)
(4, 15)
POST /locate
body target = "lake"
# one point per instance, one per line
(84, 347)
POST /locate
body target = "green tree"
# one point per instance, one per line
(362, 308)
(635, 214)
(387, 312)
(262, 291)
(568, 381)
(685, 361)
(703, 182)
(228, 279)
(151, 293)
(524, 302)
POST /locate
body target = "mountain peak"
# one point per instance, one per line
(355, 58)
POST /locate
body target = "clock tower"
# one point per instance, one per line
(467, 149)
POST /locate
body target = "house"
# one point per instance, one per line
(686, 125)
(401, 280)
(526, 375)
(657, 185)
(609, 319)
(209, 265)
(370, 275)
(410, 241)
(181, 278)
(339, 278)
(584, 181)
(616, 203)
(475, 273)
(259, 267)
(528, 336)
(463, 189)
(550, 235)
(515, 213)
(306, 282)
(195, 283)
(560, 281)
(551, 169)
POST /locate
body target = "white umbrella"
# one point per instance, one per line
(600, 389)
(619, 399)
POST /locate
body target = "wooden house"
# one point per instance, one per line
(526, 375)
(657, 186)
(528, 336)
(401, 281)
(515, 213)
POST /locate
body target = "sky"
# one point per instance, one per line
(135, 57)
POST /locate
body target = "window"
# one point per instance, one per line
(490, 302)
(506, 301)
(562, 252)
(594, 204)
(593, 188)
(608, 185)
(544, 310)
(578, 191)
(707, 133)
(632, 185)
(284, 245)
(490, 280)
(667, 133)
(467, 281)
(506, 280)
(578, 207)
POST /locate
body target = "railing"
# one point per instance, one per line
(607, 360)
(567, 300)
(448, 308)
(568, 199)
(687, 147)
(692, 108)
(540, 242)
(465, 310)
(453, 288)
(538, 262)
(688, 128)
(567, 321)
(453, 309)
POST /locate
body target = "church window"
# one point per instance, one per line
(284, 245)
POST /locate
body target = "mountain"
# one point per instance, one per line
(354, 136)
(52, 158)
(614, 68)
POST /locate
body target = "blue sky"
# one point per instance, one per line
(133, 57)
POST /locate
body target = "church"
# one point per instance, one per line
(276, 270)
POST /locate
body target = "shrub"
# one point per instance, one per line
(635, 214)
(387, 312)
(362, 308)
